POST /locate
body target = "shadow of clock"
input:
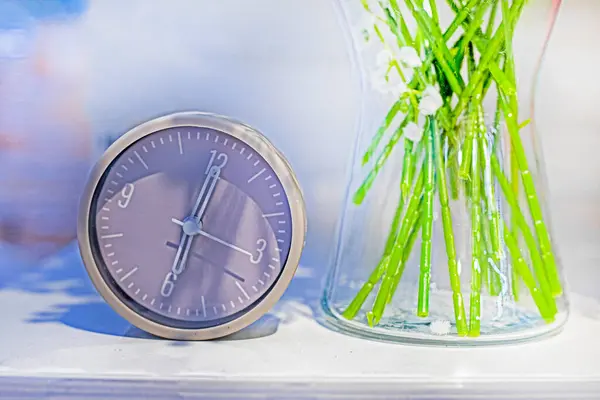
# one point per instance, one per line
(97, 317)
(80, 307)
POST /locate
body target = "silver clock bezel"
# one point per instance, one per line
(262, 146)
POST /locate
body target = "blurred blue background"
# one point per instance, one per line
(75, 75)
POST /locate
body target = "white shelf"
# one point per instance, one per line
(69, 341)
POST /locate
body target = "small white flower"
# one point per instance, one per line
(409, 57)
(440, 327)
(431, 101)
(384, 58)
(388, 82)
(413, 132)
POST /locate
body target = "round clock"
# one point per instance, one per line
(191, 226)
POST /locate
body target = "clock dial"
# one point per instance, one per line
(191, 226)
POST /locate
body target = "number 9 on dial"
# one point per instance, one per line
(191, 226)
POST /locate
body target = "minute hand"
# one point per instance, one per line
(224, 243)
(200, 206)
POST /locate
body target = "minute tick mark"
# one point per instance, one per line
(127, 275)
(259, 173)
(140, 159)
(179, 141)
(242, 290)
(277, 214)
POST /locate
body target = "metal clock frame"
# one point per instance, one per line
(258, 143)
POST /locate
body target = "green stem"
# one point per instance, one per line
(387, 122)
(489, 55)
(434, 12)
(360, 298)
(475, 24)
(509, 71)
(376, 275)
(475, 301)
(427, 228)
(410, 243)
(521, 222)
(493, 213)
(523, 270)
(467, 148)
(453, 173)
(535, 207)
(514, 180)
(457, 297)
(407, 167)
(440, 51)
(395, 258)
(362, 191)
(492, 19)
(487, 262)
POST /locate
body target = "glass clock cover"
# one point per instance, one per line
(190, 227)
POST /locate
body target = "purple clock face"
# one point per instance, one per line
(191, 227)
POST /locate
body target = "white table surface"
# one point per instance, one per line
(60, 339)
(57, 338)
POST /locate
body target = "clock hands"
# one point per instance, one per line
(190, 228)
(193, 223)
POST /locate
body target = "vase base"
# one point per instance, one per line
(506, 324)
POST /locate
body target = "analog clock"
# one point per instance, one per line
(192, 226)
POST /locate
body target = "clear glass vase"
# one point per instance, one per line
(445, 236)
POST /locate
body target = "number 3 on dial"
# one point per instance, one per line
(261, 246)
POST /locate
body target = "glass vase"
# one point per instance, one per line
(445, 236)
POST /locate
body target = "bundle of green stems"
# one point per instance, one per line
(454, 157)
